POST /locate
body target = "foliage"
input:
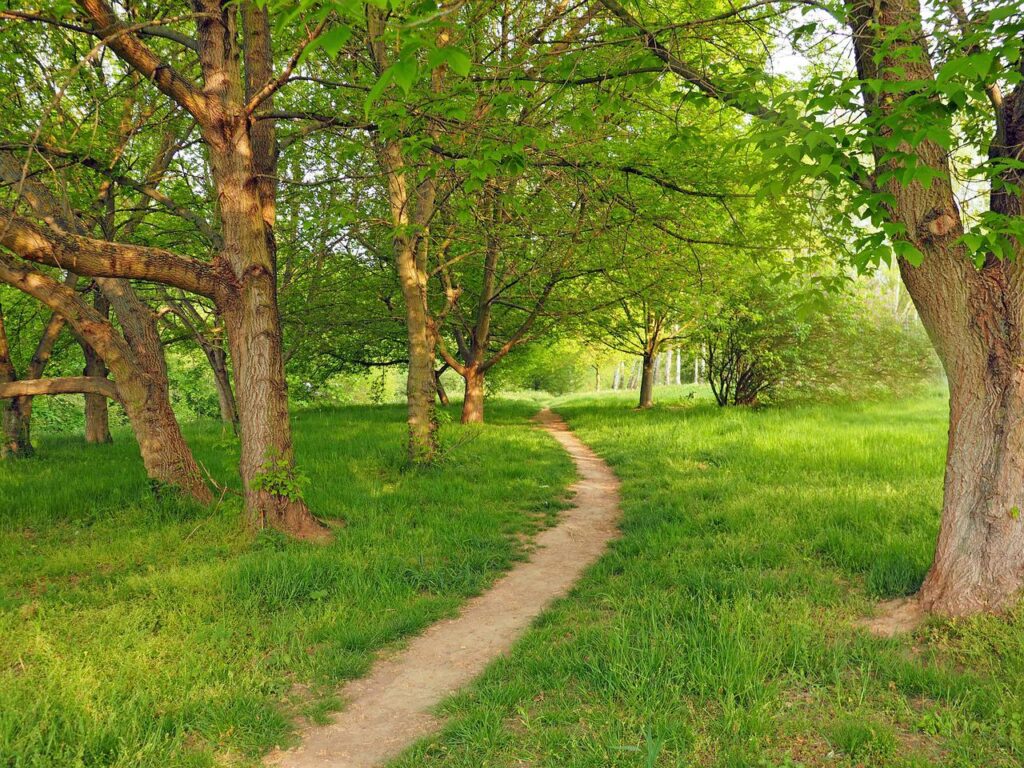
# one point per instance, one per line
(279, 477)
(768, 341)
(556, 368)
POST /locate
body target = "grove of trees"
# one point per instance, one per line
(290, 191)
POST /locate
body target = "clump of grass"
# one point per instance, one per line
(860, 738)
(283, 579)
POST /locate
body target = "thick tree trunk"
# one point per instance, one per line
(647, 382)
(974, 317)
(979, 559)
(473, 401)
(165, 454)
(255, 339)
(243, 162)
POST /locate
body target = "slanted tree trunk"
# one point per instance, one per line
(647, 381)
(473, 402)
(165, 455)
(97, 415)
(217, 358)
(442, 393)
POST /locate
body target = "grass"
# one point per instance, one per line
(720, 629)
(139, 632)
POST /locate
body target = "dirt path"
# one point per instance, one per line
(390, 709)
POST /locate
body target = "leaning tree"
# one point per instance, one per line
(231, 107)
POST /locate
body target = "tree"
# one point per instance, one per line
(965, 284)
(232, 113)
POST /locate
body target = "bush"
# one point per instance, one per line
(771, 342)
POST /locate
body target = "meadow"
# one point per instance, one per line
(141, 632)
(721, 630)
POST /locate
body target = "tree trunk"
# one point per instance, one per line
(168, 460)
(647, 381)
(974, 318)
(979, 559)
(17, 426)
(473, 402)
(97, 415)
(442, 393)
(255, 340)
(243, 163)
(419, 388)
(634, 373)
(217, 358)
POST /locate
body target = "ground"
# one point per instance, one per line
(720, 630)
(143, 633)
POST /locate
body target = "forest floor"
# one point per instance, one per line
(722, 628)
(140, 633)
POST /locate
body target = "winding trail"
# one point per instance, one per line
(390, 709)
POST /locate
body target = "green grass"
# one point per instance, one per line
(719, 631)
(139, 632)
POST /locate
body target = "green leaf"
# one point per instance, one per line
(908, 252)
(404, 72)
(378, 89)
(334, 39)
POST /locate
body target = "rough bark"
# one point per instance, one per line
(239, 163)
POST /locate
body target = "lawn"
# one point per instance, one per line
(721, 629)
(139, 632)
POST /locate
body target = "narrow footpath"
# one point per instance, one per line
(391, 708)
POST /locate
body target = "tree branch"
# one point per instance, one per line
(103, 258)
(67, 385)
